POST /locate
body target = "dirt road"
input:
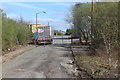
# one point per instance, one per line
(40, 62)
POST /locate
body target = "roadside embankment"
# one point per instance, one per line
(12, 54)
(92, 66)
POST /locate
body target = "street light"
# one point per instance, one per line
(37, 20)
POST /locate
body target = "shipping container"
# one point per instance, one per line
(44, 35)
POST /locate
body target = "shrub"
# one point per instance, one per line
(14, 32)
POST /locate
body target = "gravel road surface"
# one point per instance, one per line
(40, 62)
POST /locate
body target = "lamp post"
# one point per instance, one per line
(36, 24)
(37, 20)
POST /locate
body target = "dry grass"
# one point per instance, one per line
(12, 49)
(97, 65)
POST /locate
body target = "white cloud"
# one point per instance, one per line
(6, 9)
(56, 4)
(2, 7)
(27, 6)
(54, 20)
(59, 0)
(43, 20)
(56, 23)
(42, 0)
(13, 16)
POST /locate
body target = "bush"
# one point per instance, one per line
(14, 32)
(56, 32)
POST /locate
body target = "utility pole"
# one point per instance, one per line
(92, 27)
(92, 14)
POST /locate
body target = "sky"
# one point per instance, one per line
(56, 12)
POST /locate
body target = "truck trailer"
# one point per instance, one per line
(44, 35)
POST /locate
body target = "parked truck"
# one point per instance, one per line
(44, 35)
